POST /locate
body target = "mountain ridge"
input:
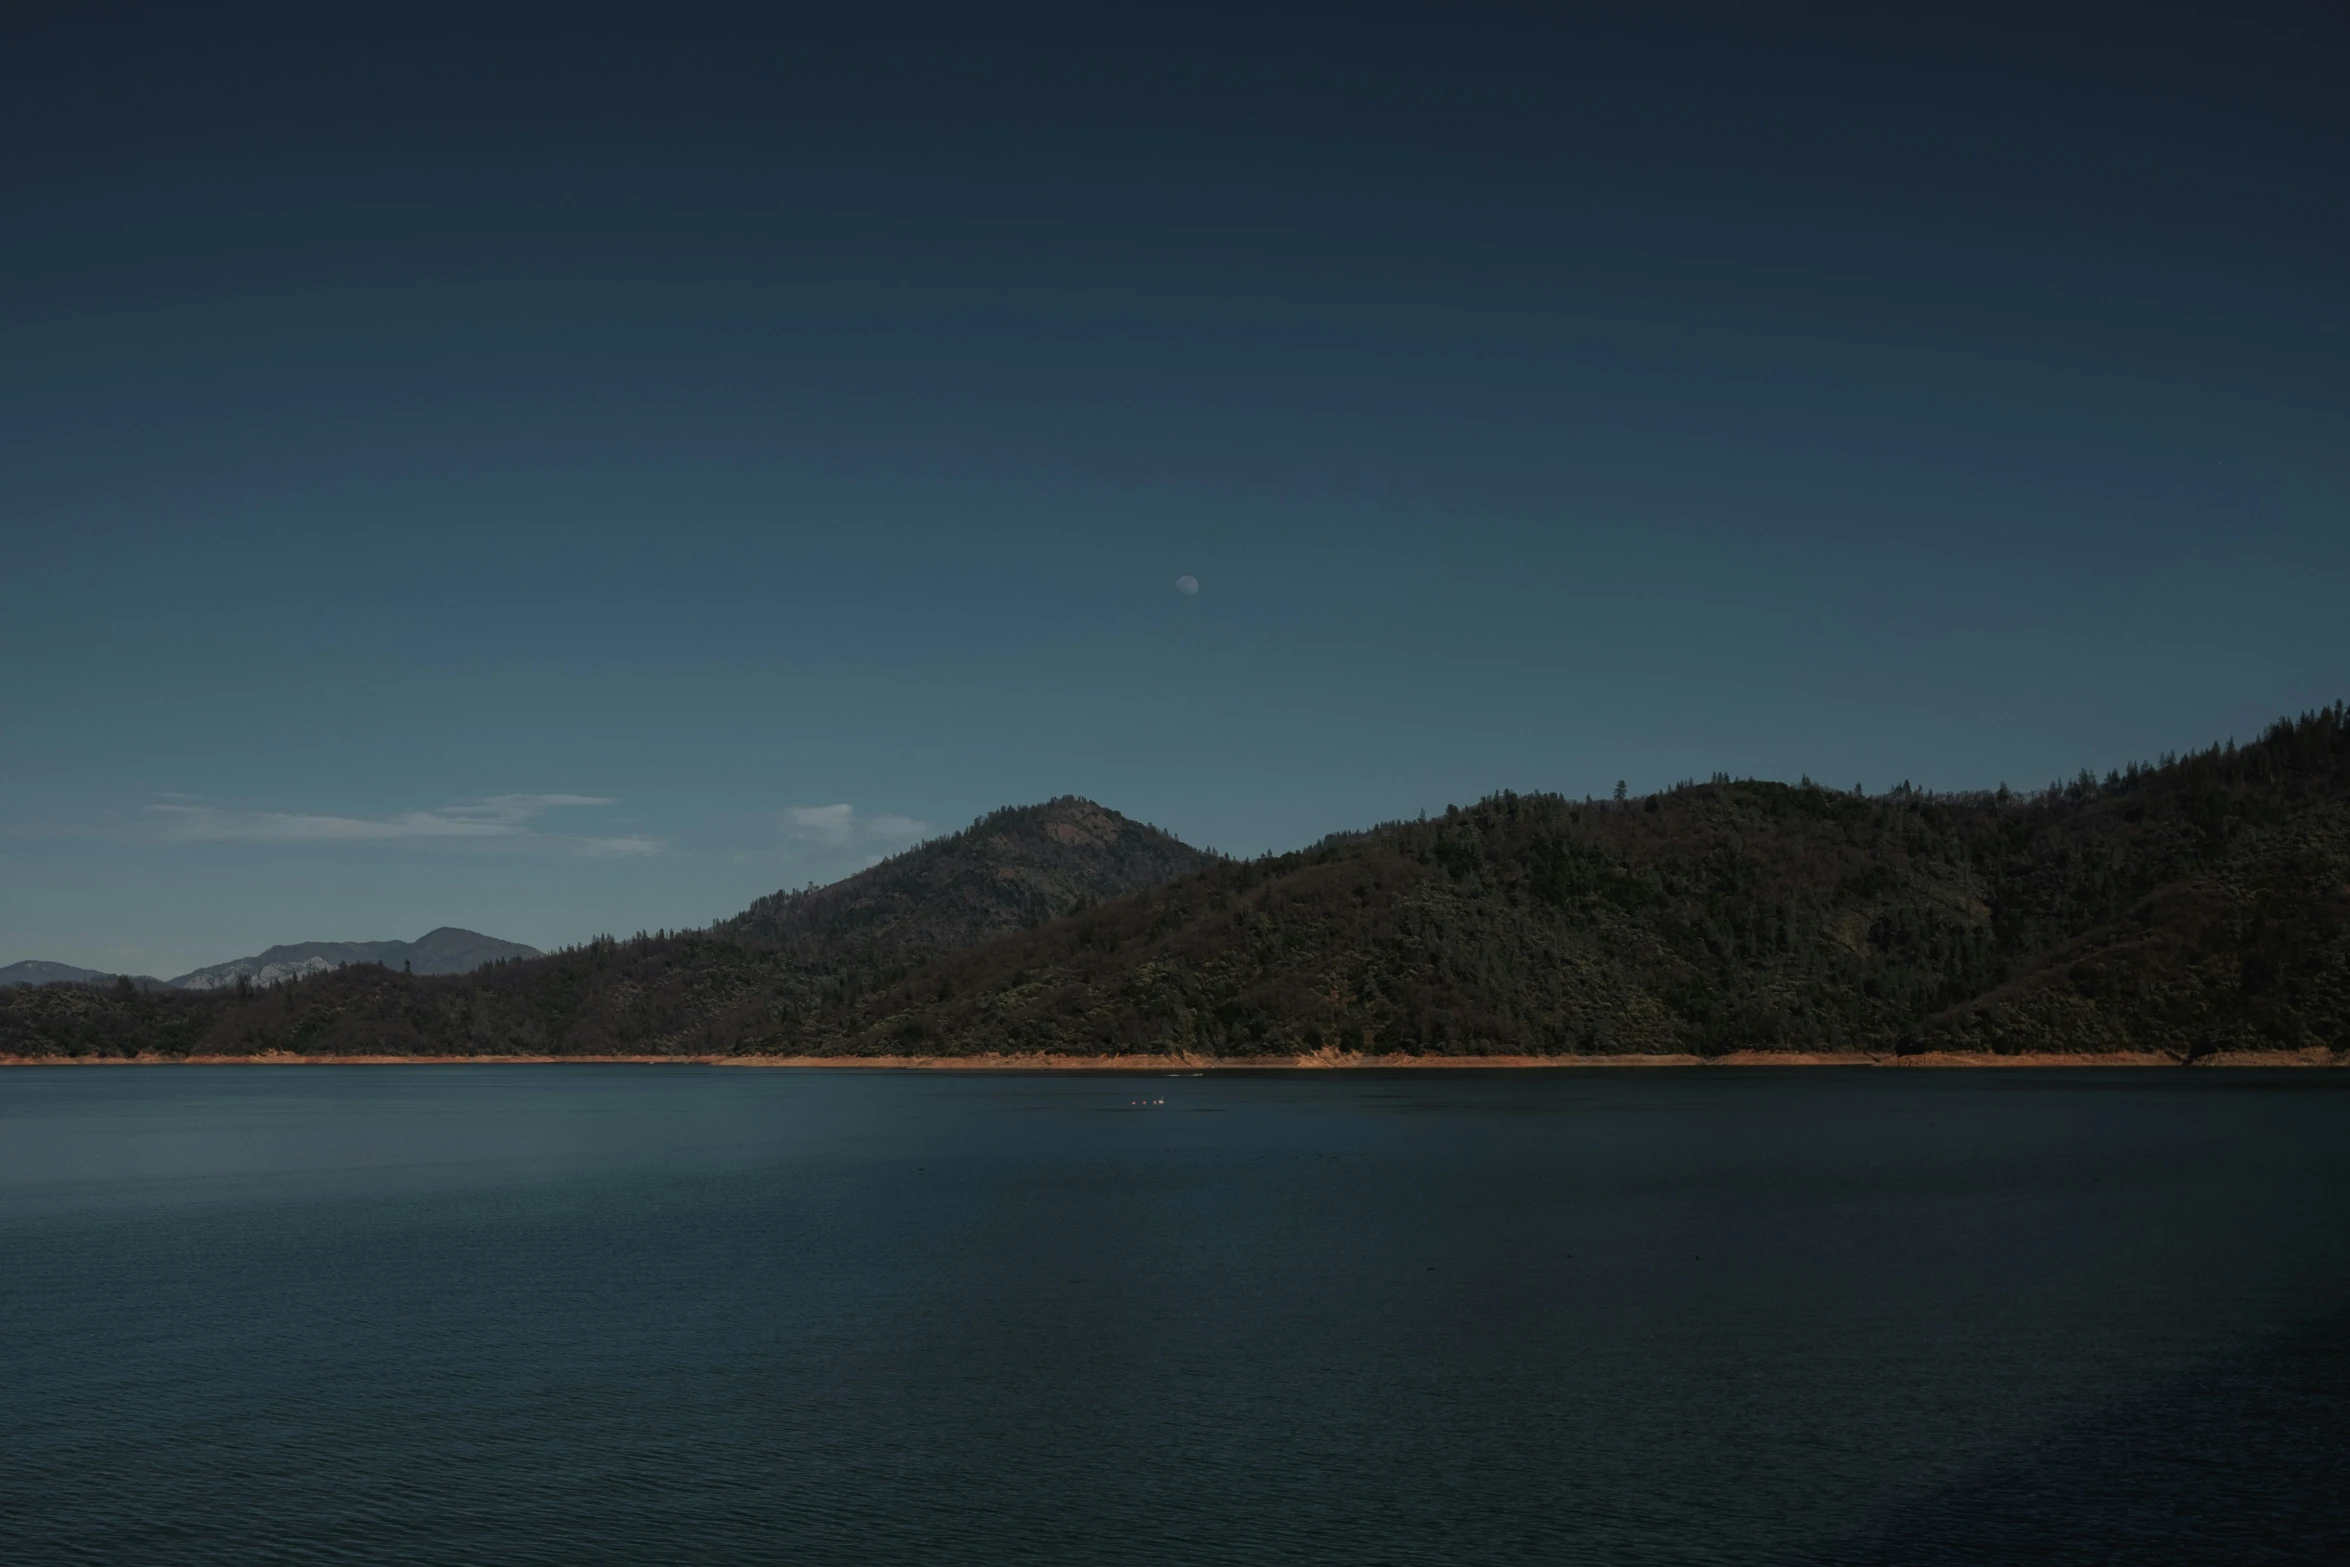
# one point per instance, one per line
(40, 971)
(1016, 866)
(782, 960)
(446, 949)
(2195, 908)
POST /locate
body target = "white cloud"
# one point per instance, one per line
(828, 823)
(840, 826)
(616, 848)
(206, 823)
(500, 816)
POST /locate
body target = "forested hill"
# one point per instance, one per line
(1013, 868)
(786, 960)
(2197, 906)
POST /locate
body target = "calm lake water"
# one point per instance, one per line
(618, 1314)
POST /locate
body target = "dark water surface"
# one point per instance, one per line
(613, 1314)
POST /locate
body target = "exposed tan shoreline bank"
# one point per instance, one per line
(1326, 1060)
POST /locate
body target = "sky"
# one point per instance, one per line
(567, 471)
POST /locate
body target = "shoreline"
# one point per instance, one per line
(1325, 1060)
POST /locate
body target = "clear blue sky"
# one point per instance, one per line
(530, 473)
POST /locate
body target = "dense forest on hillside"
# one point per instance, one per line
(2197, 906)
(1011, 869)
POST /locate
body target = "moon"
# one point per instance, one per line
(1187, 584)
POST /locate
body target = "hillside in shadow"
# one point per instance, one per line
(2198, 906)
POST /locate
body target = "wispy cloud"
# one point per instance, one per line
(617, 848)
(824, 823)
(841, 827)
(500, 816)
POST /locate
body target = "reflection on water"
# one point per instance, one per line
(618, 1314)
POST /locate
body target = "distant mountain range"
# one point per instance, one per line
(2198, 907)
(447, 950)
(33, 971)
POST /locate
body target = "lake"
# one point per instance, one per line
(611, 1314)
